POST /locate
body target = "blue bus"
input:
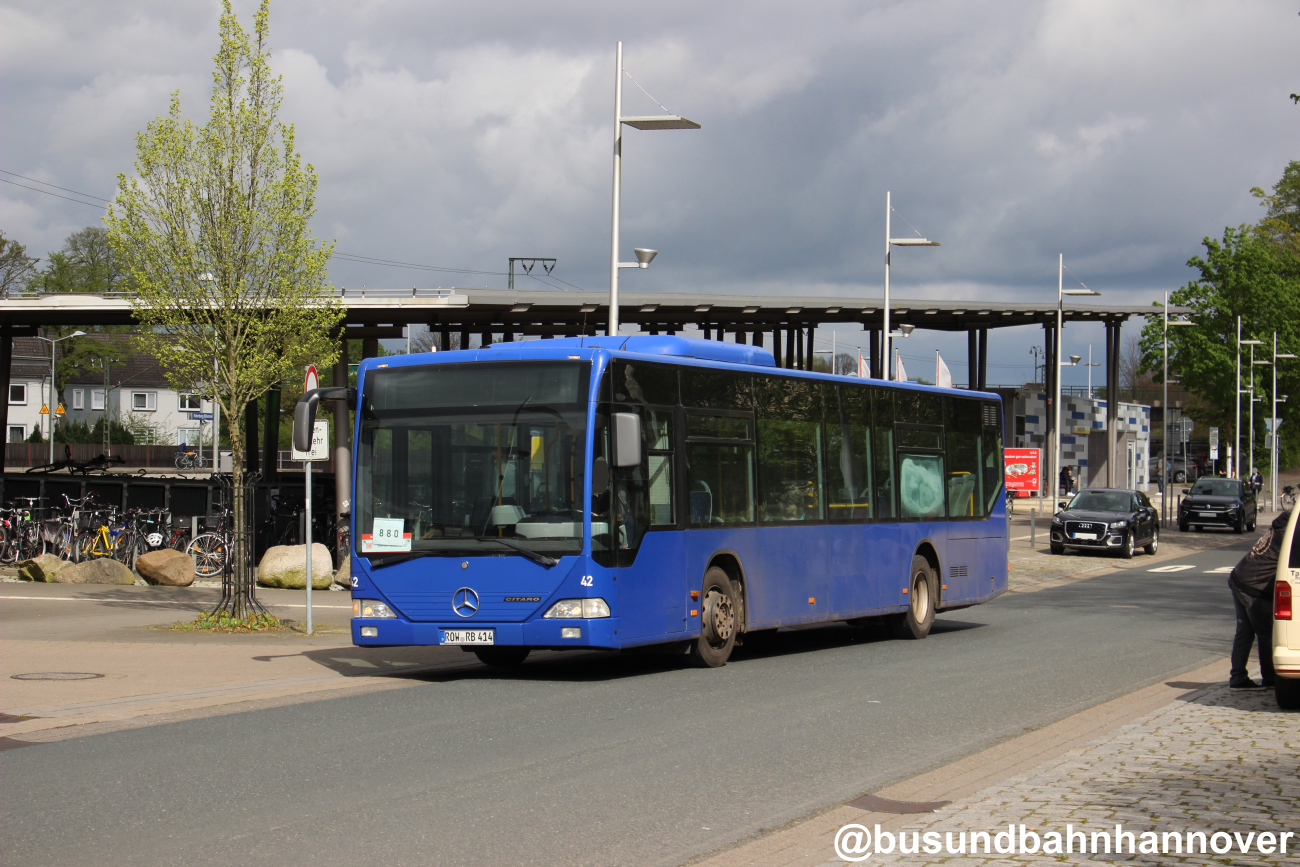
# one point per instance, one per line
(616, 493)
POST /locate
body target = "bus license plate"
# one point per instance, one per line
(469, 636)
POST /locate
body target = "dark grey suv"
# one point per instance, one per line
(1218, 503)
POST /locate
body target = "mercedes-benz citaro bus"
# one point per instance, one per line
(602, 493)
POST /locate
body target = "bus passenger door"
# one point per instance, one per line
(646, 550)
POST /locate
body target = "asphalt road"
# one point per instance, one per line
(606, 759)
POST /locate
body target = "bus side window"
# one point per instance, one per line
(963, 439)
(601, 545)
(993, 469)
(882, 412)
(789, 449)
(848, 455)
(657, 429)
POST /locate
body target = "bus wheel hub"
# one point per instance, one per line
(719, 617)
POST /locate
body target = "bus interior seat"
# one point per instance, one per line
(702, 505)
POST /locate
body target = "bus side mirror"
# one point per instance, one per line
(304, 412)
(304, 421)
(627, 439)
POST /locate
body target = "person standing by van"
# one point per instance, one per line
(1251, 583)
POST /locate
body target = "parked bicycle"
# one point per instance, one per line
(188, 458)
(211, 550)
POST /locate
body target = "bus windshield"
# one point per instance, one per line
(465, 454)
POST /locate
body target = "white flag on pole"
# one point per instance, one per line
(863, 373)
(942, 376)
(902, 374)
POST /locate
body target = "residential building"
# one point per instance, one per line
(139, 396)
(29, 384)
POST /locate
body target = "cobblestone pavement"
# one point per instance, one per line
(1217, 761)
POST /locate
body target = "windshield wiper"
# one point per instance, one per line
(379, 560)
(535, 556)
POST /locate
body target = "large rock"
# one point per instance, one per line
(102, 571)
(43, 568)
(167, 567)
(285, 566)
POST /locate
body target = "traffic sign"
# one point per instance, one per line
(311, 380)
(1272, 424)
(1214, 443)
(200, 416)
(1188, 425)
(60, 410)
(320, 444)
(45, 409)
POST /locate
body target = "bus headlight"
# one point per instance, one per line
(371, 608)
(574, 608)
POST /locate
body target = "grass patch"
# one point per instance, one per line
(225, 623)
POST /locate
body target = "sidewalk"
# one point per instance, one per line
(1185, 755)
(138, 672)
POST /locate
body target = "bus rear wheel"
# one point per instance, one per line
(915, 623)
(501, 657)
(717, 620)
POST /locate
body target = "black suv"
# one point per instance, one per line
(1113, 519)
(1218, 503)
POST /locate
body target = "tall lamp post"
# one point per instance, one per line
(896, 242)
(1061, 292)
(1253, 396)
(54, 397)
(1165, 476)
(1272, 455)
(665, 121)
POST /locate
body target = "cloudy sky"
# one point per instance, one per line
(459, 134)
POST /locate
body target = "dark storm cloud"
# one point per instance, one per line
(461, 134)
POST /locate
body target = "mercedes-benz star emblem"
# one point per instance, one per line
(464, 602)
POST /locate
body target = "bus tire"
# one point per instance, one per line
(718, 618)
(502, 657)
(915, 623)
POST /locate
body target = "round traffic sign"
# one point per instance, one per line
(310, 381)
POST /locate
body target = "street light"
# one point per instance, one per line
(1061, 292)
(1166, 463)
(1253, 397)
(1240, 392)
(54, 397)
(897, 242)
(666, 121)
(1272, 455)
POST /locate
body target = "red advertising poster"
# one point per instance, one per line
(1021, 467)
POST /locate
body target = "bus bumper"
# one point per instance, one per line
(601, 632)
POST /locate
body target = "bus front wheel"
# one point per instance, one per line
(916, 621)
(717, 620)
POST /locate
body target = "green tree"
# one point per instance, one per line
(16, 267)
(85, 264)
(1281, 224)
(212, 233)
(1245, 274)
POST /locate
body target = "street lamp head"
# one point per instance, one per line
(1250, 342)
(914, 242)
(1285, 355)
(644, 256)
(1075, 359)
(1262, 362)
(660, 121)
(906, 329)
(1079, 292)
(1173, 322)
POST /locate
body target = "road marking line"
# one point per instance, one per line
(162, 601)
(1220, 571)
(1180, 568)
